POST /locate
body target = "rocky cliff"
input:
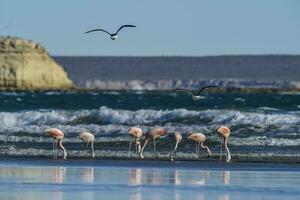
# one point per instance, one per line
(26, 65)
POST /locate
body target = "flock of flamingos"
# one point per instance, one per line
(136, 134)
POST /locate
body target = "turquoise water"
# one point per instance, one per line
(44, 179)
(264, 125)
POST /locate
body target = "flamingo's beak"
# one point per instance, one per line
(47, 130)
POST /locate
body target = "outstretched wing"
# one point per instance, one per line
(201, 90)
(98, 30)
(127, 25)
(184, 90)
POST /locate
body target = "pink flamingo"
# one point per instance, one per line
(136, 134)
(177, 137)
(199, 138)
(224, 132)
(88, 138)
(154, 134)
(58, 137)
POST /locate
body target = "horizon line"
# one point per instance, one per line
(191, 56)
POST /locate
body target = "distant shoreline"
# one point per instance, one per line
(160, 73)
(233, 90)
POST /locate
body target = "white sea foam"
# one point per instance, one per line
(239, 99)
(268, 108)
(104, 115)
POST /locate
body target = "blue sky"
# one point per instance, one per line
(164, 27)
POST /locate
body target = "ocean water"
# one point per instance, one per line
(265, 126)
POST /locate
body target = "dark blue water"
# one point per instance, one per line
(264, 125)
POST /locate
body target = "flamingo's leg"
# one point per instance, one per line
(138, 142)
(136, 148)
(154, 149)
(87, 149)
(129, 147)
(56, 150)
(198, 149)
(53, 148)
(221, 150)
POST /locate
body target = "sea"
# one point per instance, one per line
(115, 93)
(264, 126)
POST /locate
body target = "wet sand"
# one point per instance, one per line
(132, 179)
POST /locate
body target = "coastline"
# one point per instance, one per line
(204, 163)
(154, 164)
(213, 91)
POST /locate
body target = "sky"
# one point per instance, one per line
(164, 27)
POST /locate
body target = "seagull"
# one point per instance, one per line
(196, 96)
(113, 36)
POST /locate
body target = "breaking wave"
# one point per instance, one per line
(21, 133)
(106, 115)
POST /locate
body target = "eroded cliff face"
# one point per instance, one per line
(26, 65)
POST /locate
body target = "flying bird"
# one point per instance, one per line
(58, 137)
(113, 36)
(196, 95)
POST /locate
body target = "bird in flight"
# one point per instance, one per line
(113, 36)
(196, 95)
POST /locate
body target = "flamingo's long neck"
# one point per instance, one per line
(138, 143)
(93, 152)
(206, 147)
(141, 153)
(228, 156)
(63, 148)
(175, 148)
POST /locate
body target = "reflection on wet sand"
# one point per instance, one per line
(154, 177)
(135, 176)
(226, 177)
(58, 182)
(138, 177)
(87, 175)
(57, 174)
(226, 181)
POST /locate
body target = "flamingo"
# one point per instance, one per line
(154, 134)
(136, 134)
(58, 137)
(88, 138)
(113, 36)
(196, 95)
(199, 138)
(224, 132)
(177, 137)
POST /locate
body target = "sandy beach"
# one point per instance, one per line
(123, 179)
